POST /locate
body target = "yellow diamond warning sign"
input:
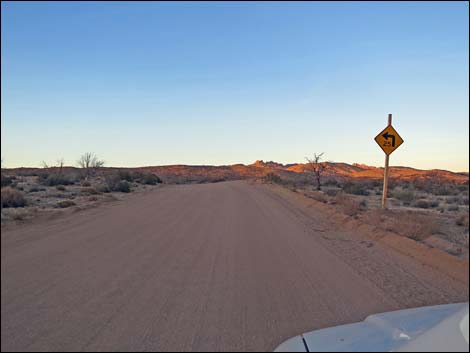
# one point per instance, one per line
(388, 140)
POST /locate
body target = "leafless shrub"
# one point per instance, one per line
(89, 163)
(12, 198)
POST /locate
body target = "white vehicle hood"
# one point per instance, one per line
(435, 328)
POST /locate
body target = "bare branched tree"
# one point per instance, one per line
(89, 162)
(317, 167)
(59, 165)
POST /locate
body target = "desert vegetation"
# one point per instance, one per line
(419, 209)
(26, 193)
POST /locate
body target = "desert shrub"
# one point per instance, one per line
(115, 183)
(89, 191)
(6, 180)
(65, 204)
(127, 175)
(453, 208)
(422, 185)
(25, 173)
(458, 200)
(36, 189)
(85, 183)
(55, 179)
(12, 198)
(406, 185)
(331, 182)
(332, 192)
(453, 199)
(103, 188)
(462, 220)
(415, 226)
(273, 178)
(356, 188)
(214, 180)
(60, 187)
(123, 186)
(347, 204)
(434, 204)
(444, 189)
(407, 196)
(21, 215)
(393, 183)
(317, 196)
(93, 198)
(421, 204)
(152, 179)
(375, 216)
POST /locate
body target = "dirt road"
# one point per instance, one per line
(226, 266)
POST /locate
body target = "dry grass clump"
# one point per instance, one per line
(357, 188)
(20, 214)
(348, 204)
(409, 224)
(407, 196)
(317, 196)
(65, 204)
(12, 198)
(462, 221)
(89, 191)
(413, 225)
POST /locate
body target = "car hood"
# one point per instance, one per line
(434, 328)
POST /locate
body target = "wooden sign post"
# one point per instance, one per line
(387, 157)
(389, 140)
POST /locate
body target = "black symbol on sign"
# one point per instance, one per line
(386, 136)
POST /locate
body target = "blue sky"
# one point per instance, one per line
(221, 83)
